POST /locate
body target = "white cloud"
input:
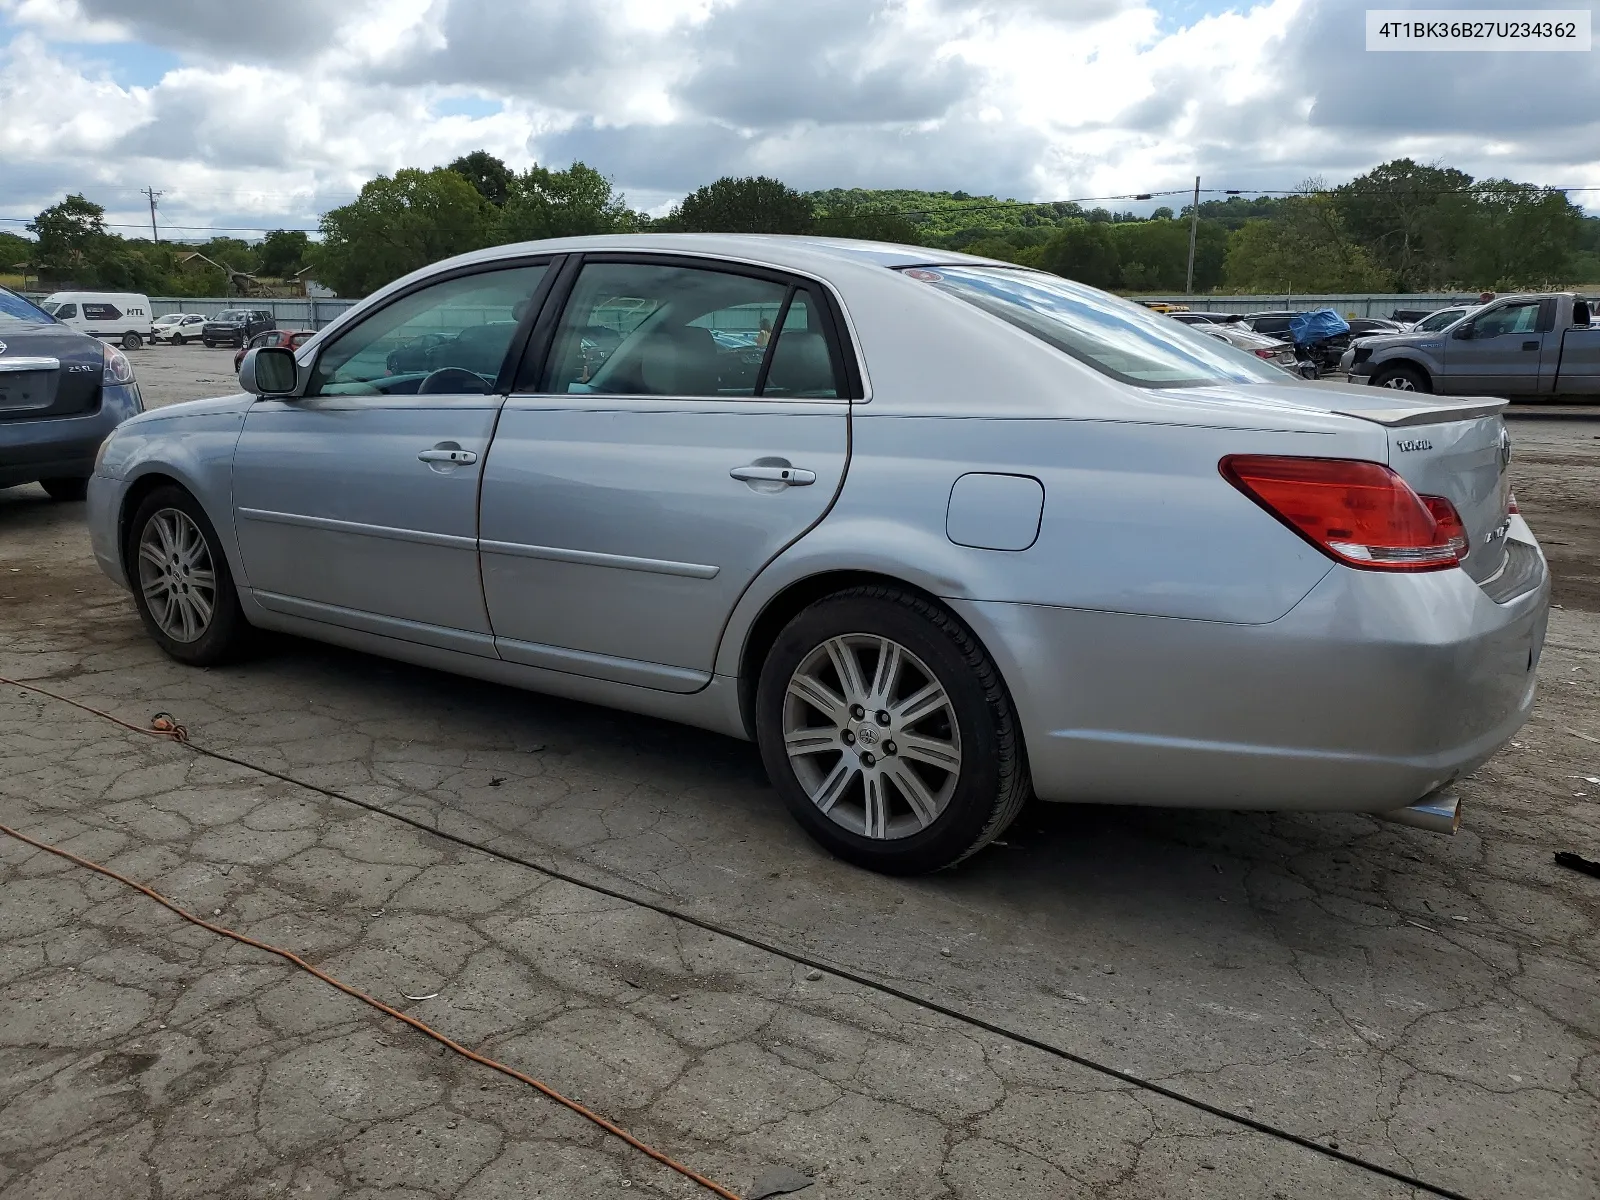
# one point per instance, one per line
(1034, 98)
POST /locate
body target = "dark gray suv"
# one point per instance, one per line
(61, 394)
(236, 326)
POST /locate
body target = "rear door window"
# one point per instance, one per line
(101, 312)
(666, 329)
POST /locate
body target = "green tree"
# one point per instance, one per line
(750, 205)
(283, 252)
(852, 220)
(1305, 250)
(1410, 218)
(72, 238)
(542, 203)
(398, 225)
(491, 177)
(1154, 254)
(1083, 251)
(1006, 249)
(1520, 236)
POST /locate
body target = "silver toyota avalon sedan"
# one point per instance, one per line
(936, 532)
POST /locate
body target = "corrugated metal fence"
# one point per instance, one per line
(296, 313)
(1359, 305)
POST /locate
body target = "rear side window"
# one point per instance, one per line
(1116, 337)
(664, 329)
(101, 312)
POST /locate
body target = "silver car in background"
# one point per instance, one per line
(938, 533)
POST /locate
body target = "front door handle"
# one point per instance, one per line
(444, 454)
(1530, 345)
(762, 473)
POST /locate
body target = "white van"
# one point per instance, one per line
(117, 316)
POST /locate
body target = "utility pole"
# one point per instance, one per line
(154, 196)
(1194, 228)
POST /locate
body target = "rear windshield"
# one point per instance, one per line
(1116, 337)
(14, 310)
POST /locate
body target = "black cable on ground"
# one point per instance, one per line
(164, 726)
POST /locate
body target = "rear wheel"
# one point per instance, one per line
(1402, 379)
(182, 586)
(65, 489)
(131, 340)
(889, 733)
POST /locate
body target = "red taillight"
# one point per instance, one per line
(1266, 352)
(1449, 521)
(1359, 513)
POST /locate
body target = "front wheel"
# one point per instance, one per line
(1402, 379)
(131, 341)
(182, 586)
(887, 730)
(177, 339)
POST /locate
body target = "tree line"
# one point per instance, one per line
(1403, 227)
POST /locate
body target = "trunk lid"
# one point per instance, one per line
(48, 371)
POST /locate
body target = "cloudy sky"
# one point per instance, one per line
(266, 122)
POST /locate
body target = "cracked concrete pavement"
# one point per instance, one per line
(1426, 1003)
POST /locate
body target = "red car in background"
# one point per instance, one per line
(292, 338)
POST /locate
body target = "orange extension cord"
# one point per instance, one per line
(162, 725)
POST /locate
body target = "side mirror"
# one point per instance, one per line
(269, 371)
(1463, 332)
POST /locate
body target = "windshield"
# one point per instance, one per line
(50, 306)
(1116, 337)
(231, 314)
(14, 310)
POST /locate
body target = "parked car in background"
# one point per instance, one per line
(177, 328)
(1363, 326)
(292, 338)
(236, 326)
(921, 618)
(1205, 318)
(1269, 349)
(1540, 344)
(116, 316)
(1324, 351)
(61, 393)
(1442, 318)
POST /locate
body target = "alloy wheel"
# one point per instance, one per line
(1400, 383)
(872, 736)
(176, 575)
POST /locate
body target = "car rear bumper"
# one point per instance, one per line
(63, 447)
(1372, 692)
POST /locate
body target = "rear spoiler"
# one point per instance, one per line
(1428, 414)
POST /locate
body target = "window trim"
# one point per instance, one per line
(846, 365)
(537, 302)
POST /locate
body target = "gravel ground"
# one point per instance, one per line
(1423, 1003)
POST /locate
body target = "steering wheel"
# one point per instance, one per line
(454, 379)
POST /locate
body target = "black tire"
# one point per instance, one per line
(67, 489)
(1402, 377)
(210, 344)
(992, 783)
(177, 339)
(132, 341)
(227, 635)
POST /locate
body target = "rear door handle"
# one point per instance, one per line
(1530, 345)
(793, 476)
(442, 455)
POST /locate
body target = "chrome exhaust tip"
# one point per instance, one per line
(1439, 812)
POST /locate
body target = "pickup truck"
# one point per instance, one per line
(1526, 345)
